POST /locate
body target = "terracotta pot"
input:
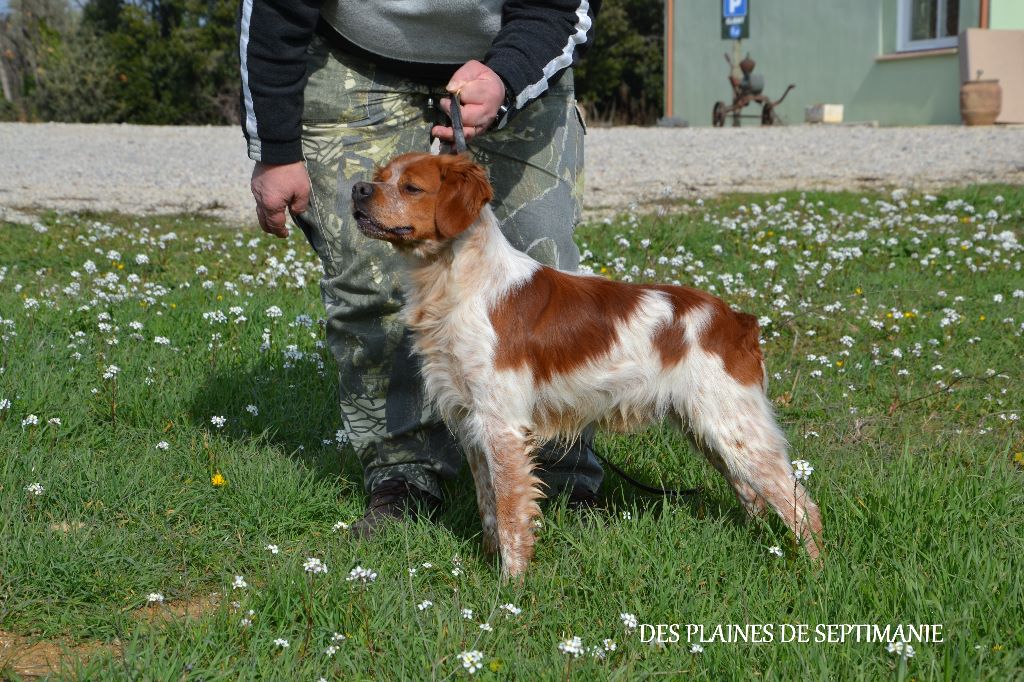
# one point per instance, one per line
(980, 102)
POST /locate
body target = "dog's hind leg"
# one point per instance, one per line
(484, 497)
(740, 431)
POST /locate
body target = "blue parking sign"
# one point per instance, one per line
(735, 19)
(734, 8)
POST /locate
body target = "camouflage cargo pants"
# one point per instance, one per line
(357, 117)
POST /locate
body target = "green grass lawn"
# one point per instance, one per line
(894, 334)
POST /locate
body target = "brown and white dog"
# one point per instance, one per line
(516, 353)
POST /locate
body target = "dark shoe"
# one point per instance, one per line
(581, 500)
(394, 500)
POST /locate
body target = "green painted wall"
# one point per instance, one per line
(829, 52)
(1006, 14)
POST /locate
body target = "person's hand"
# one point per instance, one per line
(278, 188)
(480, 92)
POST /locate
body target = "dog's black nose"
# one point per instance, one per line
(362, 190)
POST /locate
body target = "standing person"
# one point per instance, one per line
(331, 90)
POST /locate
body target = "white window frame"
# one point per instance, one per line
(903, 23)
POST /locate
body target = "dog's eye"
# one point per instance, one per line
(412, 189)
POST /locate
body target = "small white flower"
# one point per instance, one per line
(53, 421)
(571, 647)
(629, 620)
(218, 421)
(777, 551)
(281, 643)
(110, 372)
(627, 516)
(472, 660)
(239, 583)
(161, 341)
(5, 404)
(163, 445)
(314, 566)
(330, 650)
(456, 571)
(273, 549)
(363, 575)
(486, 627)
(273, 312)
(141, 259)
(424, 605)
(340, 525)
(802, 469)
(31, 420)
(253, 410)
(696, 649)
(511, 608)
(412, 571)
(338, 637)
(155, 598)
(467, 614)
(609, 644)
(245, 622)
(902, 649)
(35, 489)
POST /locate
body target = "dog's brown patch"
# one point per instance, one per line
(556, 323)
(733, 336)
(736, 338)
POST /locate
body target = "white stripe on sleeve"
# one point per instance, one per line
(243, 49)
(563, 60)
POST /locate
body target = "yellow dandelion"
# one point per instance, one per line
(218, 480)
(981, 317)
(858, 291)
(496, 665)
(889, 315)
(220, 297)
(174, 305)
(1018, 459)
(909, 314)
(604, 269)
(963, 247)
(120, 266)
(839, 363)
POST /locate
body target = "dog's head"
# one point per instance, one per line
(421, 198)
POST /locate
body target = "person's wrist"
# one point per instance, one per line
(505, 109)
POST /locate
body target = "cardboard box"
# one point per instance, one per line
(824, 113)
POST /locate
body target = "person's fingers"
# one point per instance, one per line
(448, 135)
(300, 202)
(476, 119)
(274, 221)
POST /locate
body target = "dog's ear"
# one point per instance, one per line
(464, 193)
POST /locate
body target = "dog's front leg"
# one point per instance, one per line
(514, 490)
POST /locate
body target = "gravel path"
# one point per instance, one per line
(146, 169)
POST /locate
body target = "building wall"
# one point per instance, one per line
(1006, 14)
(830, 50)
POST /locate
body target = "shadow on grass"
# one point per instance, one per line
(296, 412)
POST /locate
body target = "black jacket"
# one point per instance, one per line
(535, 40)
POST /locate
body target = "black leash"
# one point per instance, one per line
(667, 492)
(460, 134)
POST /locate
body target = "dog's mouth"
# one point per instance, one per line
(371, 228)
